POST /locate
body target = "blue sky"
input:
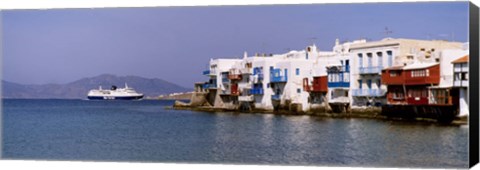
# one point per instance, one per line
(176, 43)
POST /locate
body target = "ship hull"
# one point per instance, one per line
(115, 97)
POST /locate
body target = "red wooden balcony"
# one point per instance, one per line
(417, 100)
(411, 76)
(320, 84)
(234, 90)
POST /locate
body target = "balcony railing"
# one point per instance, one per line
(337, 69)
(256, 91)
(209, 72)
(276, 97)
(371, 70)
(368, 92)
(339, 84)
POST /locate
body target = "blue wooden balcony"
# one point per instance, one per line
(371, 70)
(260, 76)
(206, 72)
(277, 77)
(368, 92)
(339, 84)
(209, 86)
(256, 91)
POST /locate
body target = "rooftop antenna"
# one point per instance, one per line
(387, 31)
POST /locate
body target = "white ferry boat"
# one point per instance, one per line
(114, 93)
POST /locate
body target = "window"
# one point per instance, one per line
(297, 71)
(419, 73)
(393, 74)
(369, 56)
(464, 76)
(360, 59)
(380, 59)
(360, 84)
(298, 90)
(390, 58)
(456, 76)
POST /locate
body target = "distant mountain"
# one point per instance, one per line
(79, 89)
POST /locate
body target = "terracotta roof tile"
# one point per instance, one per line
(463, 59)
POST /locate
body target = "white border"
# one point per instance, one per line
(53, 4)
(50, 4)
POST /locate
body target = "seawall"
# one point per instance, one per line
(367, 112)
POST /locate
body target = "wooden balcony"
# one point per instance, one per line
(234, 90)
(424, 76)
(320, 84)
(417, 100)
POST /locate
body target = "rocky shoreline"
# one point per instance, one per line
(365, 113)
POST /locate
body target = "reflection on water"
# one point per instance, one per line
(144, 131)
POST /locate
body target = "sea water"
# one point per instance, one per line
(147, 131)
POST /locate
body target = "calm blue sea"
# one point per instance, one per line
(145, 131)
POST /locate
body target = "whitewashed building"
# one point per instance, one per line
(349, 75)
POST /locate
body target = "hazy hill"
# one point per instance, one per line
(79, 89)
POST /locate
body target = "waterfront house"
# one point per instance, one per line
(370, 58)
(218, 83)
(286, 80)
(409, 84)
(460, 83)
(316, 84)
(338, 77)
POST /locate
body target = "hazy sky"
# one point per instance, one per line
(176, 43)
